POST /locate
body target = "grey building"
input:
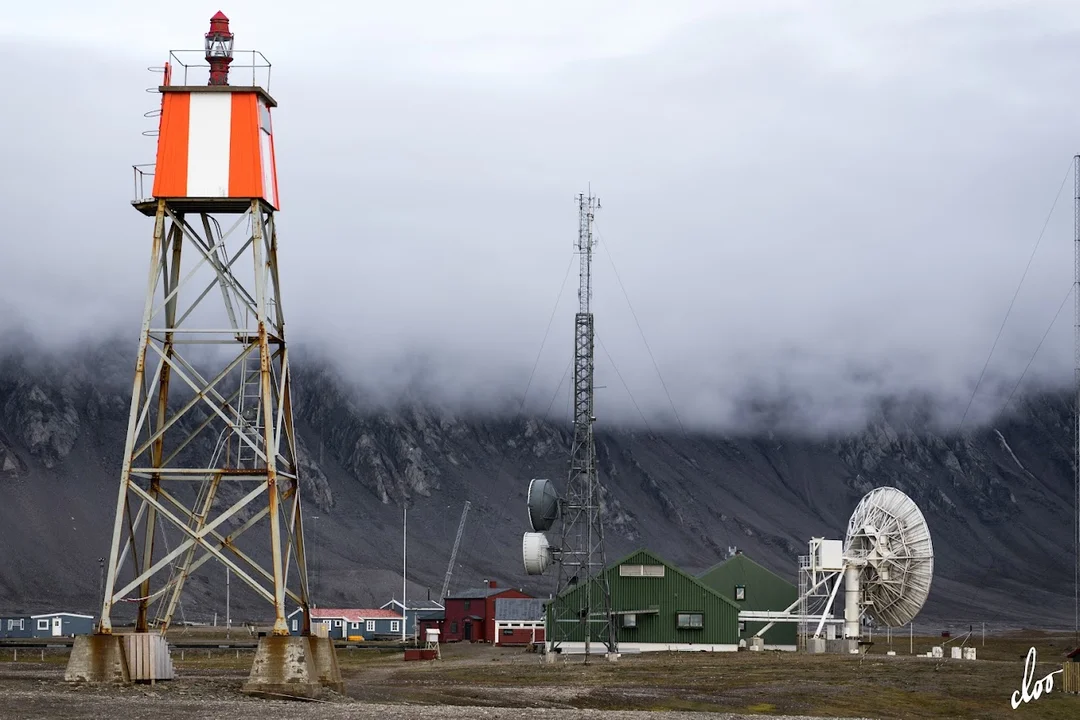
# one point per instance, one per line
(342, 624)
(417, 609)
(56, 624)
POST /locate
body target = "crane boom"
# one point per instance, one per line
(453, 553)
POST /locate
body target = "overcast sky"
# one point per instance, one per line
(830, 201)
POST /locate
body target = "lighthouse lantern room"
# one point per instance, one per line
(215, 148)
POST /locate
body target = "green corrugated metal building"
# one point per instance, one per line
(656, 607)
(755, 588)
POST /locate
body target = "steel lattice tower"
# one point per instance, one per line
(582, 556)
(211, 452)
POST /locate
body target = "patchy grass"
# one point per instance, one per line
(767, 683)
(870, 685)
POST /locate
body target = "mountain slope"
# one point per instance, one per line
(998, 499)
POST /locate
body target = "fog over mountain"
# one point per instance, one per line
(808, 206)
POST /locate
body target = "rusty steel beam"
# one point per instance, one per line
(208, 419)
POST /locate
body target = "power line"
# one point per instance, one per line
(558, 387)
(546, 332)
(642, 333)
(502, 465)
(1013, 301)
(1037, 348)
(991, 568)
(619, 374)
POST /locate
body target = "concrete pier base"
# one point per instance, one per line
(286, 665)
(757, 644)
(97, 659)
(326, 665)
(815, 646)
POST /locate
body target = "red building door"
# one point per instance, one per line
(468, 630)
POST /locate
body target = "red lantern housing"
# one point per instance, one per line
(219, 49)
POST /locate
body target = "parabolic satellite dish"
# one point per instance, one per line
(543, 504)
(889, 541)
(537, 553)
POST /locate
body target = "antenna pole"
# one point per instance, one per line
(583, 556)
(1076, 409)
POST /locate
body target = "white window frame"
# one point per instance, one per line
(294, 627)
(395, 626)
(43, 624)
(740, 592)
(370, 626)
(689, 623)
(641, 571)
(356, 626)
(337, 623)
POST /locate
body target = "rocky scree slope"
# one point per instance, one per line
(998, 499)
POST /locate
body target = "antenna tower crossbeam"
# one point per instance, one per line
(583, 557)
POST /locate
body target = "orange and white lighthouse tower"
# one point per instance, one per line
(210, 464)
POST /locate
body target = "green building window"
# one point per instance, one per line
(740, 592)
(742, 626)
(690, 620)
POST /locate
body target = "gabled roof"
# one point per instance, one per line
(66, 614)
(476, 593)
(739, 560)
(352, 615)
(656, 559)
(439, 614)
(415, 605)
(521, 609)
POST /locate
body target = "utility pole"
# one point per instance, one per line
(228, 615)
(316, 564)
(583, 559)
(404, 564)
(1076, 420)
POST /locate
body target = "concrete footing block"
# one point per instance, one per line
(97, 659)
(816, 646)
(324, 654)
(757, 644)
(285, 666)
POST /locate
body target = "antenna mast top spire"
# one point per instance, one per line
(587, 205)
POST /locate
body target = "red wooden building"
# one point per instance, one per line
(470, 614)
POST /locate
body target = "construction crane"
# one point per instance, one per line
(453, 553)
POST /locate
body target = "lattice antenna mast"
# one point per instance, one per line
(582, 549)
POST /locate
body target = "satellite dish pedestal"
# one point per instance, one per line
(886, 564)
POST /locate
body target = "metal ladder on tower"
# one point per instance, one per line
(249, 408)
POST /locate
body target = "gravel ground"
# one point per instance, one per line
(45, 703)
(32, 691)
